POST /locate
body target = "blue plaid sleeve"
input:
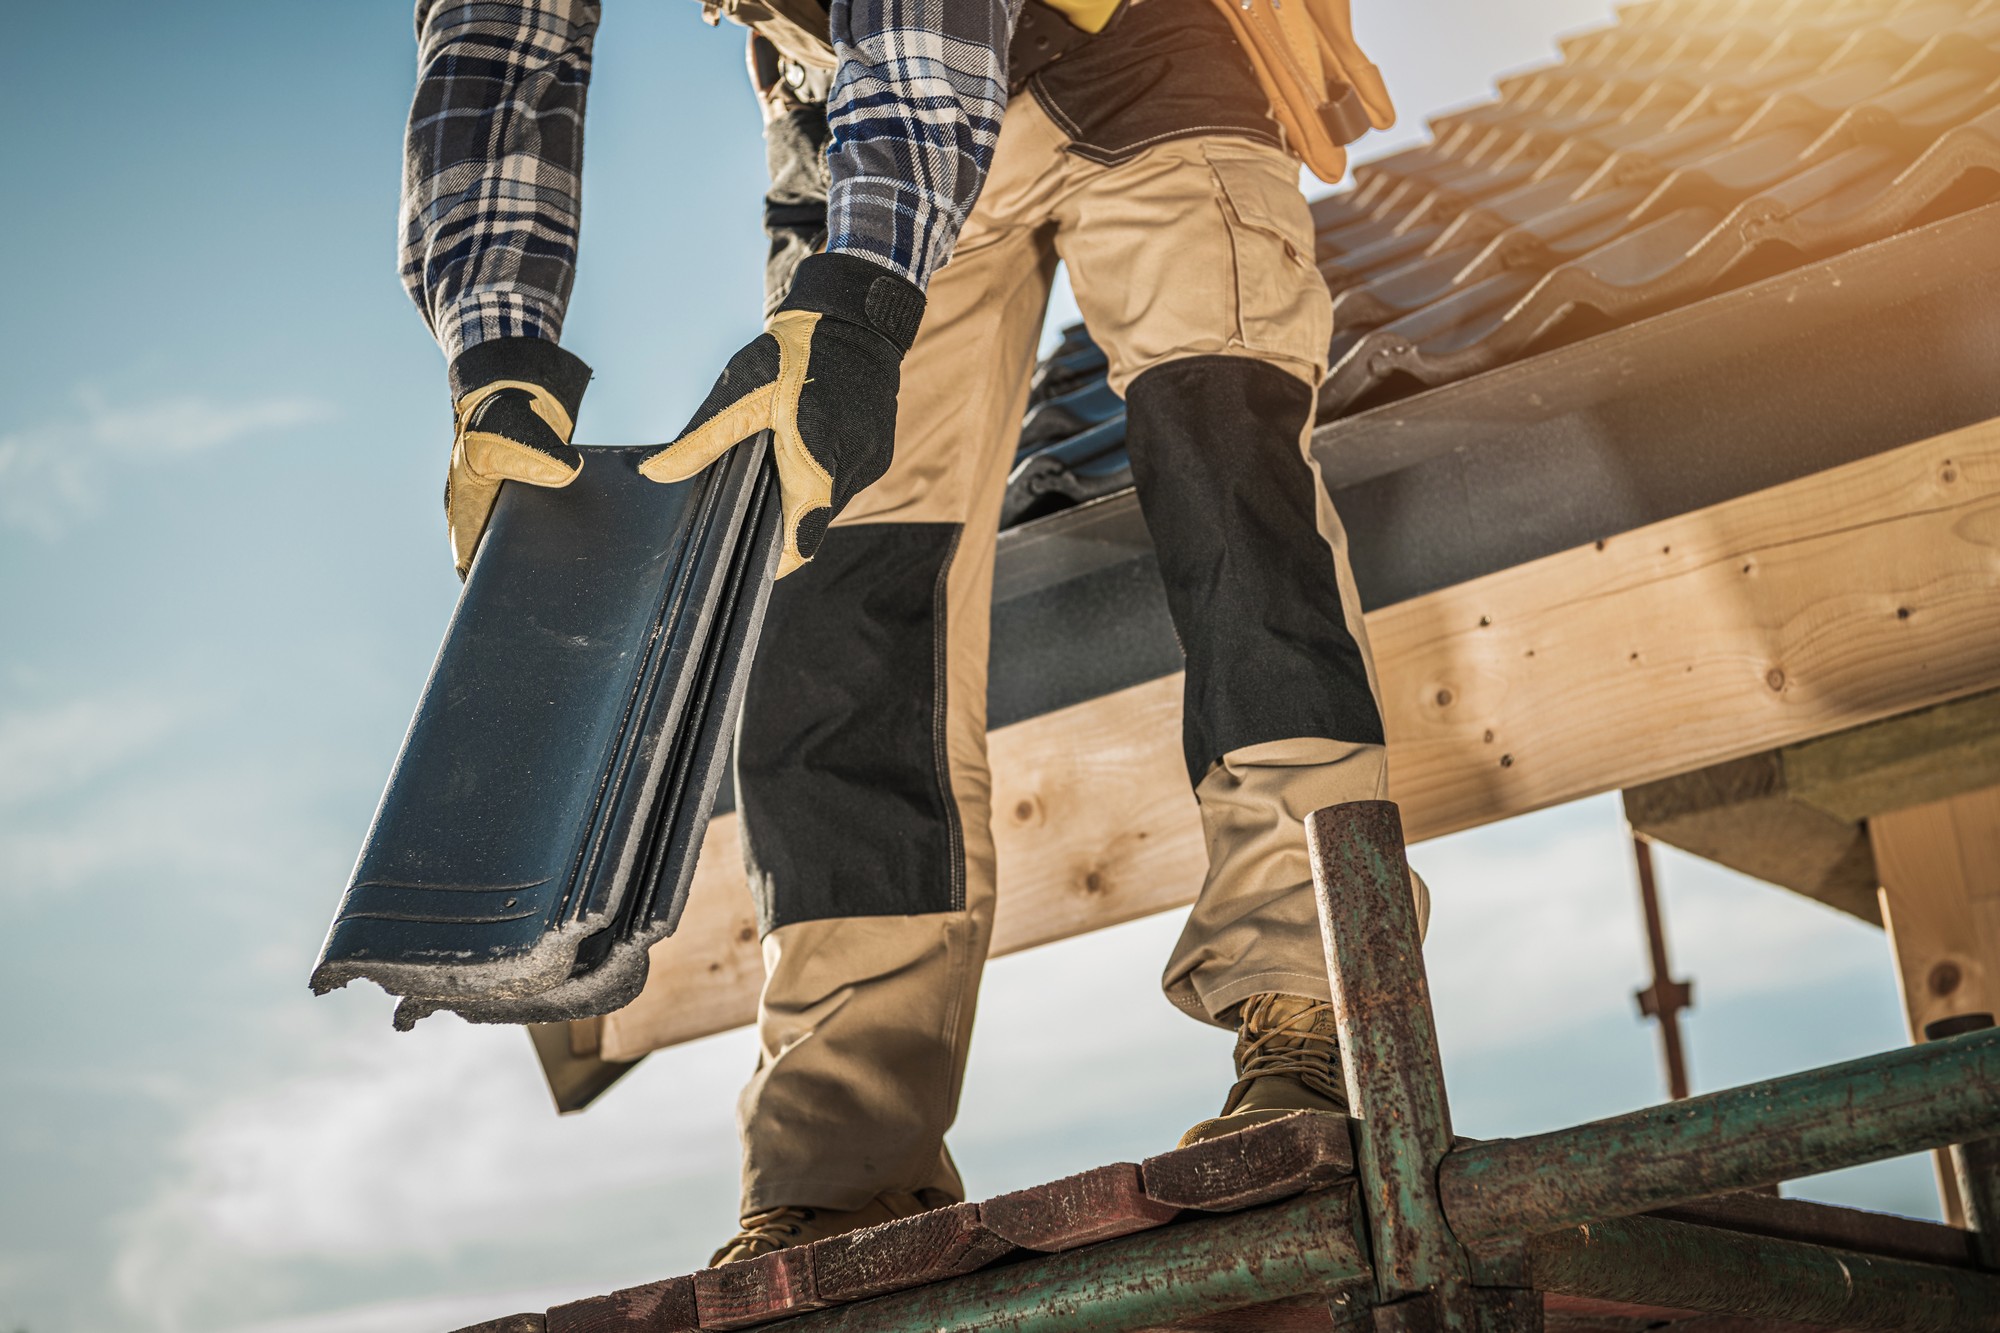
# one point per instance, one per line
(913, 116)
(492, 167)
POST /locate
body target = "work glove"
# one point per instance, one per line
(822, 379)
(515, 402)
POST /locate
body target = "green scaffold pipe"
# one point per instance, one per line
(1865, 1110)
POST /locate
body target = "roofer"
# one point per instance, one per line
(926, 175)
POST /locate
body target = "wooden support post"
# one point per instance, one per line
(1939, 864)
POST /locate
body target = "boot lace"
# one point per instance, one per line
(1295, 1046)
(772, 1229)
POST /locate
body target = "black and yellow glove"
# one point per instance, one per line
(823, 379)
(515, 401)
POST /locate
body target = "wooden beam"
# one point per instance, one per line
(576, 1072)
(1940, 870)
(1797, 816)
(1742, 814)
(1813, 607)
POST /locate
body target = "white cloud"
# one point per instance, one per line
(56, 472)
(47, 751)
(1536, 928)
(416, 1149)
(229, 825)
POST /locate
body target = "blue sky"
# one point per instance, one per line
(223, 574)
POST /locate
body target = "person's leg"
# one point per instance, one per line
(1193, 267)
(861, 762)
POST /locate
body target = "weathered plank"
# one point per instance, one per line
(756, 1291)
(1797, 816)
(1836, 600)
(655, 1307)
(575, 1072)
(513, 1323)
(908, 1252)
(1743, 814)
(1083, 1209)
(1258, 1165)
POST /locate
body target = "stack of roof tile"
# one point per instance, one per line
(1692, 147)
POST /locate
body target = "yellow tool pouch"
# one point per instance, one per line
(1323, 90)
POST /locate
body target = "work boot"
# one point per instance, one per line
(783, 1227)
(1287, 1061)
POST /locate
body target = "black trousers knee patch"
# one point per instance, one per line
(1251, 584)
(841, 770)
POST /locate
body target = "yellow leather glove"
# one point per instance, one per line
(822, 378)
(515, 402)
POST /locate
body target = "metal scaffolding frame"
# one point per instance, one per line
(1436, 1234)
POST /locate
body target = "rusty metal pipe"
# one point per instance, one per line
(1650, 1261)
(1309, 1245)
(1388, 1042)
(1865, 1110)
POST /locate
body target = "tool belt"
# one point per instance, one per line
(1323, 90)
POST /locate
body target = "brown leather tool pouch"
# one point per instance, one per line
(1323, 90)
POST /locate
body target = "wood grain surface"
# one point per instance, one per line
(1856, 594)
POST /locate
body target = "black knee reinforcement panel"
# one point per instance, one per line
(540, 827)
(841, 773)
(1252, 587)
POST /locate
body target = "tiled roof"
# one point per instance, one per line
(1691, 147)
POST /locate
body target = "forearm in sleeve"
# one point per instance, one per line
(492, 170)
(914, 115)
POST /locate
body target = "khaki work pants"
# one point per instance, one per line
(1199, 247)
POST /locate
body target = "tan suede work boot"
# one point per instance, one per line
(1287, 1060)
(781, 1228)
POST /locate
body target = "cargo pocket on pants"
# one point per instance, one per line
(1283, 309)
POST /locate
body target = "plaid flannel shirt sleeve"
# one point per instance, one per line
(913, 116)
(492, 168)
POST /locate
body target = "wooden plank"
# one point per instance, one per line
(1813, 607)
(756, 1291)
(655, 1307)
(909, 1252)
(1913, 759)
(513, 1323)
(1094, 1205)
(1744, 815)
(571, 1060)
(1797, 816)
(1258, 1165)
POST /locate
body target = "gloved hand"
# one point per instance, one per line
(822, 378)
(515, 401)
